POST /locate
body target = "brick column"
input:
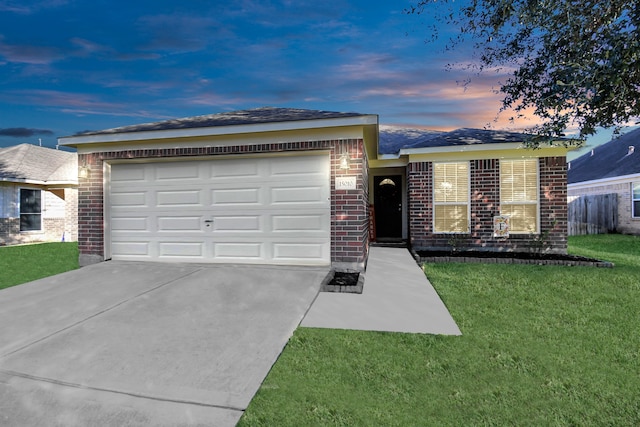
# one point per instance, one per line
(553, 202)
(349, 209)
(91, 211)
(419, 188)
(485, 199)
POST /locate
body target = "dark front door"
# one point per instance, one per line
(387, 202)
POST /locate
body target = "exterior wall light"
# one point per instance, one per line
(345, 161)
(83, 171)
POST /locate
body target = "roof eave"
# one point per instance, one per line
(601, 181)
(363, 120)
(462, 148)
(39, 183)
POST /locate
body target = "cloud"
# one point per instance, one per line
(28, 54)
(23, 132)
(19, 6)
(179, 33)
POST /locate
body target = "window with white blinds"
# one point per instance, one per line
(451, 197)
(519, 194)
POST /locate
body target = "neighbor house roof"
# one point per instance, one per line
(38, 165)
(618, 157)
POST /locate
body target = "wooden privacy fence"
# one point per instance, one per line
(593, 214)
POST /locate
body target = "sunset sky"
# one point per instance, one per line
(68, 66)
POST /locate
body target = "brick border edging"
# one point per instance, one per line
(479, 260)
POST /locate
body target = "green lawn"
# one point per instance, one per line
(21, 264)
(541, 345)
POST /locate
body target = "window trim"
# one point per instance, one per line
(635, 215)
(20, 212)
(537, 202)
(435, 203)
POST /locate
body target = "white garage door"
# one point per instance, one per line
(234, 210)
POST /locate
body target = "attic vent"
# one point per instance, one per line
(631, 150)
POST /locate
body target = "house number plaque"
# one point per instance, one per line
(345, 183)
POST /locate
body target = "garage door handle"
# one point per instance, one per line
(208, 220)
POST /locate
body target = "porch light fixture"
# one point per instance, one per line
(83, 171)
(345, 160)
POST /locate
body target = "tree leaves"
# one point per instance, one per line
(576, 62)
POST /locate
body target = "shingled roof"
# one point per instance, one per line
(618, 157)
(235, 118)
(38, 165)
(393, 139)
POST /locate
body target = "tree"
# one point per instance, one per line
(575, 62)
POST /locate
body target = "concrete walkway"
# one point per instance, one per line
(397, 297)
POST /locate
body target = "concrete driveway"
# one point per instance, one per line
(146, 344)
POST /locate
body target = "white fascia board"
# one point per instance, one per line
(605, 181)
(369, 119)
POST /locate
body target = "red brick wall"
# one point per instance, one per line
(349, 220)
(420, 187)
(485, 203)
(485, 199)
(553, 201)
(350, 209)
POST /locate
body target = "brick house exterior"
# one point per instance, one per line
(362, 164)
(349, 241)
(484, 205)
(52, 175)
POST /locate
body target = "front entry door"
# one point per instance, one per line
(387, 201)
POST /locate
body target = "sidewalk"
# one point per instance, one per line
(397, 297)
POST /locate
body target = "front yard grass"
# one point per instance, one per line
(541, 345)
(24, 263)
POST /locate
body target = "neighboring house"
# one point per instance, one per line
(611, 168)
(38, 195)
(289, 186)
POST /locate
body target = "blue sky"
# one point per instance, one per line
(68, 66)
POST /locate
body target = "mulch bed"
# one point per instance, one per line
(508, 258)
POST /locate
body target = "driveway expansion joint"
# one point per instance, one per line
(8, 373)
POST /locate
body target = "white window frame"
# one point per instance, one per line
(536, 203)
(436, 203)
(635, 214)
(21, 212)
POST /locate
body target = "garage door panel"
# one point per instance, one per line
(299, 223)
(239, 252)
(179, 223)
(239, 224)
(129, 224)
(178, 172)
(190, 198)
(306, 167)
(298, 195)
(234, 168)
(129, 173)
(181, 249)
(132, 248)
(290, 251)
(236, 196)
(244, 210)
(129, 199)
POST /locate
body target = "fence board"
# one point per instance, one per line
(593, 214)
